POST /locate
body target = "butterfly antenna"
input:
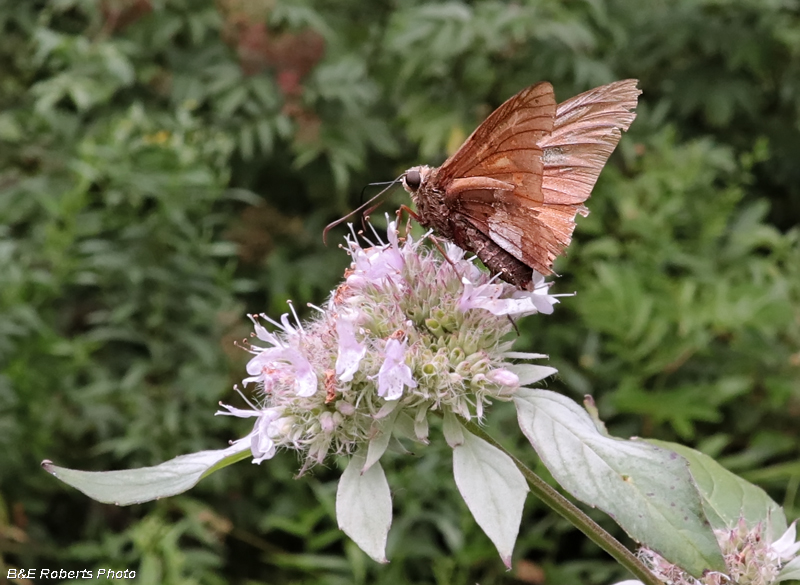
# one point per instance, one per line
(332, 225)
(361, 197)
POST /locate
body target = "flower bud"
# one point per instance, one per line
(345, 407)
(326, 422)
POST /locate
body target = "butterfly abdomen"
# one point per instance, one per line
(495, 258)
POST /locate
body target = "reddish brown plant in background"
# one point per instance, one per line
(117, 14)
(289, 55)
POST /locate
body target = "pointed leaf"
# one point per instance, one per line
(531, 373)
(790, 572)
(726, 496)
(646, 489)
(494, 490)
(524, 355)
(404, 427)
(364, 507)
(377, 446)
(452, 429)
(376, 449)
(134, 486)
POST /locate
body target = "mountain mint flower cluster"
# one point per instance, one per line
(407, 331)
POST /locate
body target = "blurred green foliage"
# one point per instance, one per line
(168, 165)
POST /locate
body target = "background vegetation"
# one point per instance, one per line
(167, 166)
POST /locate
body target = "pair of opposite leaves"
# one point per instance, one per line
(511, 192)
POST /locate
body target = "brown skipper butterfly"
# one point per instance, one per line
(511, 192)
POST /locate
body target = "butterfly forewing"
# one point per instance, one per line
(504, 146)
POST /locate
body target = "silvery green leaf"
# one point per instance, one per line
(727, 497)
(395, 446)
(377, 446)
(530, 373)
(494, 490)
(524, 355)
(648, 490)
(404, 427)
(364, 507)
(134, 486)
(452, 429)
(790, 571)
(421, 425)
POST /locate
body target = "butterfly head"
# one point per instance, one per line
(415, 178)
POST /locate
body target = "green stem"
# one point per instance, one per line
(574, 515)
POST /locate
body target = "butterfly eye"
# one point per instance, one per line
(413, 179)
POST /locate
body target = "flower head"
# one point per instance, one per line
(751, 558)
(407, 329)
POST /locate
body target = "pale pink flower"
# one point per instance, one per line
(267, 362)
(394, 374)
(350, 350)
(261, 437)
(332, 375)
(374, 264)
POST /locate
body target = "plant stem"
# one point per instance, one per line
(574, 515)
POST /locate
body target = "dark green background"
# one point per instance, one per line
(168, 166)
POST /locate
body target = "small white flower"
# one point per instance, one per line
(263, 334)
(539, 296)
(522, 302)
(785, 548)
(264, 365)
(374, 264)
(350, 350)
(394, 373)
(261, 437)
(284, 325)
(456, 256)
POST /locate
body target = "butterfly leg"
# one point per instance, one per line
(409, 211)
(436, 243)
(514, 323)
(411, 215)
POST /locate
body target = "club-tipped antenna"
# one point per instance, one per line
(332, 225)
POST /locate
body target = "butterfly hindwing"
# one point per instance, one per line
(587, 129)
